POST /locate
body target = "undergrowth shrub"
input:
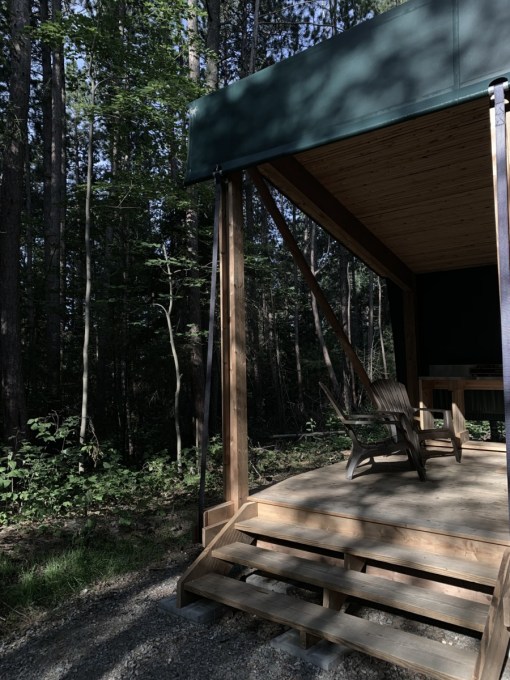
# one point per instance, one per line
(58, 476)
(54, 475)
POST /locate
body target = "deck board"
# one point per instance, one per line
(423, 655)
(469, 499)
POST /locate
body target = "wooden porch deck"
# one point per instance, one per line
(435, 550)
(467, 500)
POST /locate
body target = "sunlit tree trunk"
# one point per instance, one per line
(255, 38)
(356, 325)
(370, 329)
(381, 330)
(297, 346)
(177, 394)
(274, 355)
(212, 44)
(345, 305)
(88, 265)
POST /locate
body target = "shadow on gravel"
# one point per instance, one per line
(122, 633)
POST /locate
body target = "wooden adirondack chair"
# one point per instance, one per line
(397, 442)
(392, 395)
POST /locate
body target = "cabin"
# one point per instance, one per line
(394, 138)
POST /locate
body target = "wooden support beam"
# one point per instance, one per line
(210, 532)
(306, 640)
(206, 563)
(500, 135)
(332, 599)
(317, 291)
(494, 644)
(215, 519)
(218, 513)
(224, 336)
(233, 343)
(317, 202)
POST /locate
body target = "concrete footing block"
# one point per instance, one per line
(205, 612)
(270, 584)
(324, 654)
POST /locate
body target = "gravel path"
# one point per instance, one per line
(119, 631)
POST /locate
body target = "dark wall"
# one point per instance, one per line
(458, 318)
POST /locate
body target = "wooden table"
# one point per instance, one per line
(457, 386)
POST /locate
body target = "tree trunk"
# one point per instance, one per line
(212, 44)
(127, 383)
(316, 318)
(193, 55)
(255, 38)
(356, 326)
(53, 114)
(370, 329)
(11, 205)
(58, 195)
(277, 407)
(381, 333)
(88, 268)
(194, 309)
(297, 347)
(168, 315)
(31, 361)
(345, 305)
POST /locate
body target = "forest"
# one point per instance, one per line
(105, 254)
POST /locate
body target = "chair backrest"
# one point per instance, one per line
(391, 395)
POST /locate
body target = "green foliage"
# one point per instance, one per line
(110, 519)
(283, 459)
(51, 478)
(481, 430)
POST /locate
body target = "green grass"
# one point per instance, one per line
(47, 561)
(55, 570)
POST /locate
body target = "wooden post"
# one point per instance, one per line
(500, 168)
(233, 344)
(494, 643)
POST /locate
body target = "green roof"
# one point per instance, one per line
(419, 57)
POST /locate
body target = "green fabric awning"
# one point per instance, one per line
(422, 56)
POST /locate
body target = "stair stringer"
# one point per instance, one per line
(205, 563)
(496, 636)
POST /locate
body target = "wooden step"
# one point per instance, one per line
(410, 557)
(395, 646)
(421, 601)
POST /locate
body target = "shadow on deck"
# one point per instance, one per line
(436, 550)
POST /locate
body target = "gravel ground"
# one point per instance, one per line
(119, 631)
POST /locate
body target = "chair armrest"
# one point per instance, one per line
(397, 415)
(444, 411)
(379, 418)
(446, 414)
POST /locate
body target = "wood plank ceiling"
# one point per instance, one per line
(421, 188)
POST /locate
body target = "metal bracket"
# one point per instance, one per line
(218, 173)
(499, 81)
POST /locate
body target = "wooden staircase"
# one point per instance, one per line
(358, 560)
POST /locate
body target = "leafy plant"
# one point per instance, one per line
(47, 479)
